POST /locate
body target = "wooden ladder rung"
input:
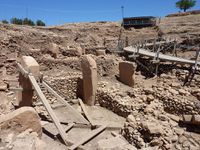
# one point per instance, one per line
(68, 128)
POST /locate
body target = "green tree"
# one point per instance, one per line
(40, 23)
(16, 21)
(185, 4)
(4, 21)
(29, 22)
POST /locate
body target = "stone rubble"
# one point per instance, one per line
(26, 140)
(3, 86)
(154, 113)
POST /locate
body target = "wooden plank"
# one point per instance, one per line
(86, 113)
(64, 102)
(49, 109)
(115, 134)
(88, 137)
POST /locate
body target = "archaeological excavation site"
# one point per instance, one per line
(101, 86)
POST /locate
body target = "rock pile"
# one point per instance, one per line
(114, 143)
(3, 102)
(154, 113)
(119, 99)
(159, 132)
(27, 140)
(3, 86)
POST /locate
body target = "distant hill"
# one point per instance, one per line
(194, 12)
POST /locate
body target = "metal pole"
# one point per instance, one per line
(122, 11)
(122, 15)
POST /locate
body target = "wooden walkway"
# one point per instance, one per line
(161, 56)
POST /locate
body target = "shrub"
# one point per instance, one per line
(29, 22)
(16, 21)
(40, 23)
(4, 21)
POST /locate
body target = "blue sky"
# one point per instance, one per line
(55, 12)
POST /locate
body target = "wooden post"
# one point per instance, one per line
(86, 113)
(126, 44)
(174, 50)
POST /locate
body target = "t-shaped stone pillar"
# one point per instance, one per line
(25, 97)
(127, 73)
(89, 69)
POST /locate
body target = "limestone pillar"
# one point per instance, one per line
(89, 70)
(25, 97)
(127, 73)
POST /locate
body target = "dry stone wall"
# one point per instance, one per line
(66, 84)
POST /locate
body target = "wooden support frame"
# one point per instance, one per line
(33, 82)
(193, 70)
(49, 109)
(63, 101)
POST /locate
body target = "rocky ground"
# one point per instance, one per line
(160, 112)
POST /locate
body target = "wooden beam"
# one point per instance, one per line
(23, 71)
(49, 109)
(86, 113)
(88, 137)
(63, 101)
(115, 134)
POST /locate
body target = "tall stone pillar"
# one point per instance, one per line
(25, 97)
(89, 70)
